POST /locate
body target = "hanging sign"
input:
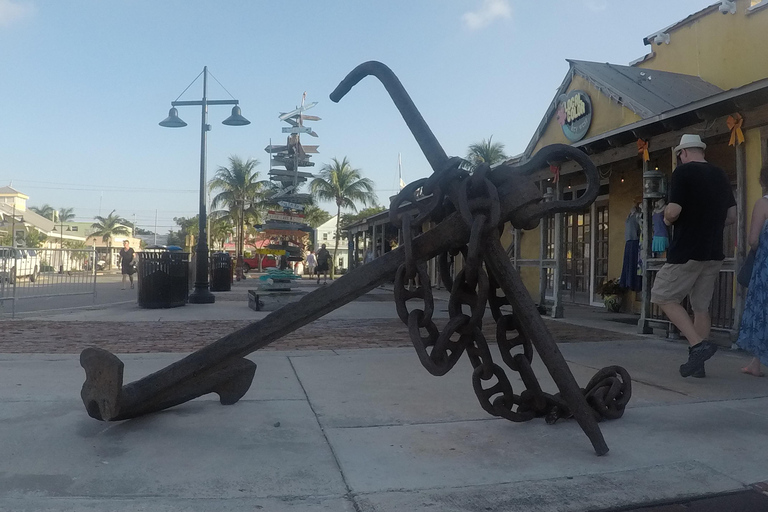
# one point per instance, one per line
(285, 217)
(292, 206)
(296, 129)
(574, 113)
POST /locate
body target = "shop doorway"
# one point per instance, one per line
(578, 247)
(585, 244)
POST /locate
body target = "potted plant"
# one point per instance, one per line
(613, 294)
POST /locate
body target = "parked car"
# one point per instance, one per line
(270, 260)
(18, 262)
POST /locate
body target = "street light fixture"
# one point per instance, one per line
(202, 294)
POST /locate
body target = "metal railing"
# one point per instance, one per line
(42, 273)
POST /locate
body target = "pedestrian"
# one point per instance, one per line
(368, 256)
(126, 258)
(700, 205)
(323, 264)
(753, 333)
(298, 268)
(311, 263)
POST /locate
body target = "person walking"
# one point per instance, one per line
(311, 263)
(753, 333)
(126, 258)
(323, 264)
(701, 204)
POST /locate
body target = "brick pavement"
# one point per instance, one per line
(36, 336)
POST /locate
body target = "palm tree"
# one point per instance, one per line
(64, 215)
(315, 216)
(239, 186)
(339, 182)
(485, 151)
(106, 228)
(46, 211)
(221, 229)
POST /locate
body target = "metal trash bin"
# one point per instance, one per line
(221, 272)
(163, 279)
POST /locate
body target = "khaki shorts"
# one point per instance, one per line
(693, 278)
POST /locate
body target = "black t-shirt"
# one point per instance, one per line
(126, 256)
(704, 192)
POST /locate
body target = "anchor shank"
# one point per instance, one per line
(532, 326)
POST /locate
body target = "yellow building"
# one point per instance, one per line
(707, 75)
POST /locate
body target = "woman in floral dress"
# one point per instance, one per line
(753, 334)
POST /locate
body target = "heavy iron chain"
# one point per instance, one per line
(471, 291)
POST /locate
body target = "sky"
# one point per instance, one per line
(84, 84)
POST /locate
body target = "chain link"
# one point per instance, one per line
(471, 291)
(609, 391)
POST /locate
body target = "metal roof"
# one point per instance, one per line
(632, 88)
(646, 92)
(622, 140)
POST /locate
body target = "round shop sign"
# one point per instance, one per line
(574, 113)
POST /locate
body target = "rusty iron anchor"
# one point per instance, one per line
(221, 367)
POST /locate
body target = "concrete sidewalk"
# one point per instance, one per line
(371, 430)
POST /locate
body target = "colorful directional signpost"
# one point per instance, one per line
(287, 159)
(286, 162)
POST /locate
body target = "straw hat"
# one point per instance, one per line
(689, 140)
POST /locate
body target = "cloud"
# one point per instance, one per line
(490, 11)
(596, 5)
(13, 10)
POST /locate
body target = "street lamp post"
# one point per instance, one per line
(202, 294)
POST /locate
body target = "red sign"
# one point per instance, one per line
(285, 217)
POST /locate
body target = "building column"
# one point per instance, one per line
(557, 307)
(351, 250)
(373, 241)
(592, 250)
(542, 255)
(517, 254)
(741, 232)
(643, 326)
(383, 238)
(543, 227)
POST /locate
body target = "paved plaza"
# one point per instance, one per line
(342, 417)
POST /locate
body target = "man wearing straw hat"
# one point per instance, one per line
(700, 205)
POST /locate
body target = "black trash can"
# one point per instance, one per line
(221, 272)
(163, 279)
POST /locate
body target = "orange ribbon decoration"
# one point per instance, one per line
(734, 123)
(555, 169)
(642, 147)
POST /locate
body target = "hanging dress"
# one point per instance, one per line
(753, 333)
(629, 278)
(660, 241)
